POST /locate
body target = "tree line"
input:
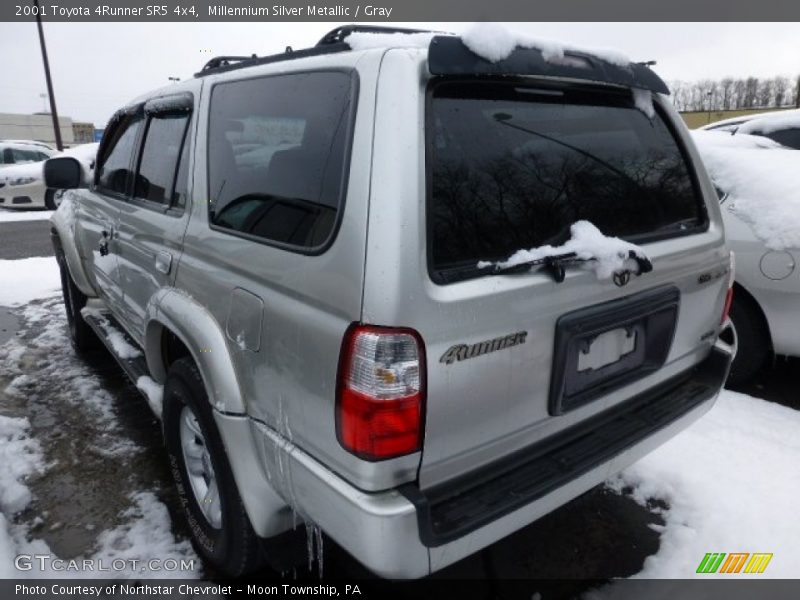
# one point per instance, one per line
(733, 94)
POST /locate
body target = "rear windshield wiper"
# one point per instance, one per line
(556, 266)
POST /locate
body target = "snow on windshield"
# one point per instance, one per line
(491, 41)
(760, 179)
(606, 255)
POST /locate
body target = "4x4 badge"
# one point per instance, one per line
(464, 351)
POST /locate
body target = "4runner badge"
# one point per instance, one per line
(464, 351)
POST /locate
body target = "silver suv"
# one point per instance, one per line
(289, 254)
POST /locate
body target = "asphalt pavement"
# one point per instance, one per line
(23, 239)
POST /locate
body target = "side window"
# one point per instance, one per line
(112, 173)
(181, 177)
(277, 155)
(158, 164)
(24, 156)
(788, 137)
(6, 157)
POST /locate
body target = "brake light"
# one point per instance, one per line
(726, 309)
(380, 392)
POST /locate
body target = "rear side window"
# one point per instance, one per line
(278, 152)
(513, 167)
(158, 166)
(113, 171)
(787, 137)
(25, 156)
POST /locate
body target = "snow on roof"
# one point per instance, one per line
(785, 119)
(491, 41)
(761, 181)
(608, 255)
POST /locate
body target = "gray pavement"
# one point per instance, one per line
(22, 239)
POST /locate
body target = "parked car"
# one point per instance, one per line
(780, 126)
(765, 238)
(316, 255)
(22, 185)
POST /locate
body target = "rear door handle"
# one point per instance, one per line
(163, 262)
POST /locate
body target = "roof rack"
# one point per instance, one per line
(335, 36)
(331, 42)
(224, 61)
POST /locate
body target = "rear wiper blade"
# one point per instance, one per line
(556, 266)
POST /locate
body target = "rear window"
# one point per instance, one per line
(278, 152)
(513, 167)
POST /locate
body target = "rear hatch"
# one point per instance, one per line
(511, 164)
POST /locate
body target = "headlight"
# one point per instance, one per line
(21, 181)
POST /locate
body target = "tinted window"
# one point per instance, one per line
(788, 137)
(277, 155)
(181, 178)
(159, 159)
(513, 168)
(114, 160)
(25, 156)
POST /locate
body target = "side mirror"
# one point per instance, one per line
(63, 173)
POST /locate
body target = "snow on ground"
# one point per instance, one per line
(143, 529)
(7, 216)
(731, 481)
(27, 279)
(761, 183)
(607, 255)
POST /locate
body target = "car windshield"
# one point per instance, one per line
(513, 167)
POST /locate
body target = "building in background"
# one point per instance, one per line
(39, 127)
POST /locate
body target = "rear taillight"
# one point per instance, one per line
(380, 392)
(726, 309)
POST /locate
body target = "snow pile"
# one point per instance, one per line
(27, 279)
(20, 456)
(361, 40)
(154, 393)
(490, 41)
(761, 183)
(85, 154)
(731, 482)
(7, 216)
(145, 535)
(606, 255)
(770, 122)
(494, 42)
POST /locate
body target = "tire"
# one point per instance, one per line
(222, 534)
(81, 335)
(754, 343)
(50, 199)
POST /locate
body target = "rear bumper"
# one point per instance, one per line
(408, 533)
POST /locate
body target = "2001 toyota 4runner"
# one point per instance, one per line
(314, 254)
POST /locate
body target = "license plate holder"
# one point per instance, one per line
(578, 377)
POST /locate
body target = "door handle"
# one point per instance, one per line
(103, 245)
(163, 262)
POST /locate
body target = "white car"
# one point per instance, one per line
(757, 182)
(22, 182)
(780, 126)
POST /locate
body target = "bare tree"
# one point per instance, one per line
(765, 93)
(726, 91)
(780, 87)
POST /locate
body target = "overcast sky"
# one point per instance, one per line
(97, 68)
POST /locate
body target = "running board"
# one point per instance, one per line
(119, 344)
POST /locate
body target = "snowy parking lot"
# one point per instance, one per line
(83, 475)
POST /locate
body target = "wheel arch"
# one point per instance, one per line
(172, 312)
(63, 237)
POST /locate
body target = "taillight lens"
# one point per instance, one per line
(726, 309)
(381, 392)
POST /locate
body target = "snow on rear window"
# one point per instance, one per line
(771, 123)
(761, 184)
